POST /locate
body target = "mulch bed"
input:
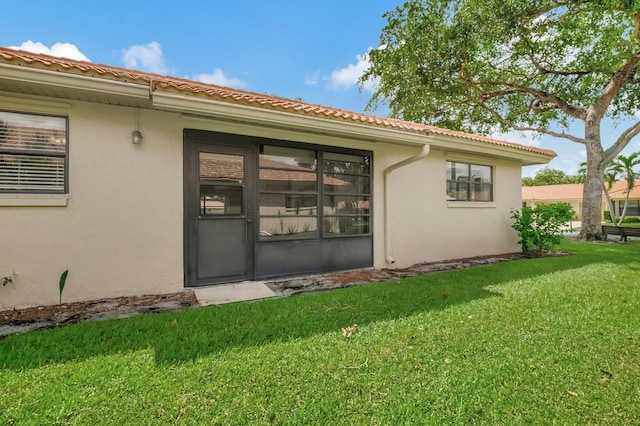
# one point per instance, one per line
(78, 311)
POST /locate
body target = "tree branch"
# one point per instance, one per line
(515, 126)
(622, 141)
(543, 71)
(622, 76)
(567, 108)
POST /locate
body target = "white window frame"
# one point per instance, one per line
(470, 201)
(34, 196)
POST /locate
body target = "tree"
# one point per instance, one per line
(548, 176)
(625, 166)
(528, 65)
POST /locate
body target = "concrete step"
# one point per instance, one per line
(229, 293)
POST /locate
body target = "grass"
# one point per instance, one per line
(539, 341)
(626, 224)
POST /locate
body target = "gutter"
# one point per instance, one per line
(388, 255)
(68, 81)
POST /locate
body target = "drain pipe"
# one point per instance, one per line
(388, 255)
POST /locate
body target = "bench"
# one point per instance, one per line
(623, 231)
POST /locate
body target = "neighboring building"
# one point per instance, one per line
(139, 184)
(547, 194)
(618, 194)
(572, 194)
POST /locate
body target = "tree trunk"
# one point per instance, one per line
(592, 194)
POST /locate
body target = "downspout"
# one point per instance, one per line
(388, 255)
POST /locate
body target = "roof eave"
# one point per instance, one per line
(264, 117)
(251, 115)
(74, 82)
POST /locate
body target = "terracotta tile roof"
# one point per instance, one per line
(574, 192)
(166, 83)
(619, 190)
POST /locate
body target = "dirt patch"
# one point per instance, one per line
(308, 284)
(18, 320)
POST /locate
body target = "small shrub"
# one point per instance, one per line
(631, 219)
(607, 216)
(539, 227)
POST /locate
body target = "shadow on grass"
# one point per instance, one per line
(186, 335)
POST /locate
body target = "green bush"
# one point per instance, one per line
(607, 216)
(631, 219)
(539, 227)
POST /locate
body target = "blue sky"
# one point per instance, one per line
(309, 50)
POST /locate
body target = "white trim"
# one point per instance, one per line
(34, 200)
(68, 80)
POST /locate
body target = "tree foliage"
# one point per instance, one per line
(537, 65)
(539, 228)
(549, 176)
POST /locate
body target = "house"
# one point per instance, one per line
(548, 194)
(572, 194)
(145, 184)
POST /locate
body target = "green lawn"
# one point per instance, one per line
(629, 225)
(538, 341)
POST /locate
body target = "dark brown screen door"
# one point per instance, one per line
(220, 245)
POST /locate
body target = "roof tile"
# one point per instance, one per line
(156, 81)
(573, 191)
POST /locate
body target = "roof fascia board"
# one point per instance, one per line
(66, 80)
(452, 144)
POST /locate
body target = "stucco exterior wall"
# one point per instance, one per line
(121, 231)
(425, 227)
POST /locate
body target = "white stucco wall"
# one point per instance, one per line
(425, 227)
(121, 232)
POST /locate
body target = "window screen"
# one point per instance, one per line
(33, 153)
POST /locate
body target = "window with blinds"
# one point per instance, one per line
(33, 153)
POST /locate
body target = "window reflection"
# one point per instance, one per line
(288, 204)
(280, 157)
(221, 167)
(469, 182)
(216, 200)
(292, 204)
(288, 227)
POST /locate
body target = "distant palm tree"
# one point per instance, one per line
(625, 166)
(610, 177)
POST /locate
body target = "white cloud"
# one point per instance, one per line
(571, 165)
(311, 79)
(530, 171)
(349, 76)
(218, 77)
(145, 57)
(60, 50)
(523, 138)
